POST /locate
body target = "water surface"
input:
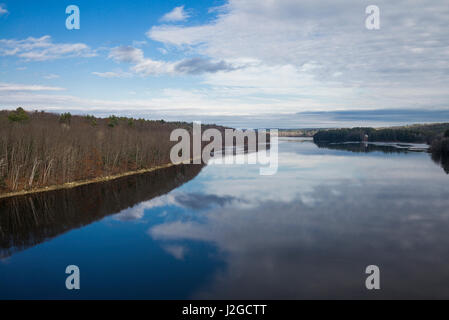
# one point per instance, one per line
(226, 232)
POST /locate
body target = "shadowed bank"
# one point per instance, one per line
(29, 220)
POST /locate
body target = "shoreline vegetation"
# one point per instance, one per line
(435, 135)
(417, 133)
(286, 133)
(41, 151)
(70, 185)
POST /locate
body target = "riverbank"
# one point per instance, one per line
(435, 136)
(43, 151)
(69, 185)
(417, 133)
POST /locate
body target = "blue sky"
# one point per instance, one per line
(246, 63)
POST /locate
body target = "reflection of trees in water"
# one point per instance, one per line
(28, 220)
(437, 157)
(362, 147)
(442, 160)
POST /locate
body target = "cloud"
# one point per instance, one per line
(42, 49)
(139, 43)
(274, 59)
(169, 103)
(201, 65)
(3, 10)
(178, 252)
(8, 87)
(162, 50)
(177, 14)
(201, 201)
(147, 66)
(135, 56)
(51, 76)
(126, 54)
(303, 223)
(195, 105)
(405, 64)
(111, 74)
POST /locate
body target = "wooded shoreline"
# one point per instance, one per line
(436, 135)
(70, 185)
(42, 151)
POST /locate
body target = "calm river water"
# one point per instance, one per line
(227, 232)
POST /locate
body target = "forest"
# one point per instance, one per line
(426, 133)
(40, 149)
(435, 135)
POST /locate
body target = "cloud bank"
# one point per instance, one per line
(320, 54)
(251, 60)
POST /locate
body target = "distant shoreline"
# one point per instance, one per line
(426, 133)
(436, 136)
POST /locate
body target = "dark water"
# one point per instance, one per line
(226, 232)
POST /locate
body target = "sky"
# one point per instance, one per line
(245, 63)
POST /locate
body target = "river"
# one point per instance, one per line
(226, 232)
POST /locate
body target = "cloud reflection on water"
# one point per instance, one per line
(310, 230)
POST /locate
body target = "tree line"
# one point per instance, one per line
(410, 134)
(39, 149)
(436, 135)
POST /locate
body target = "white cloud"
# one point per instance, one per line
(3, 10)
(141, 65)
(51, 76)
(177, 14)
(126, 54)
(112, 74)
(321, 52)
(139, 43)
(168, 103)
(162, 50)
(178, 252)
(274, 57)
(147, 66)
(41, 49)
(8, 87)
